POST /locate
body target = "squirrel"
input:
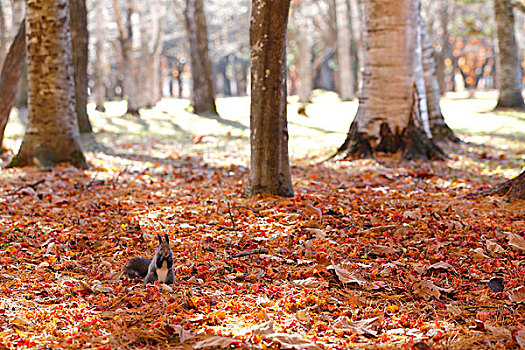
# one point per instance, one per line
(160, 268)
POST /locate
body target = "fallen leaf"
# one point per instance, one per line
(214, 342)
(311, 283)
(517, 295)
(494, 247)
(291, 341)
(427, 288)
(517, 242)
(442, 266)
(366, 326)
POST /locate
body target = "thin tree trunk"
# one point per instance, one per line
(344, 58)
(10, 76)
(305, 44)
(270, 169)
(419, 77)
(127, 67)
(52, 135)
(203, 90)
(151, 46)
(98, 66)
(389, 115)
(3, 35)
(509, 70)
(440, 130)
(79, 41)
(445, 46)
(357, 32)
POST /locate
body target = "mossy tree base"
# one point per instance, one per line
(412, 143)
(512, 189)
(443, 133)
(47, 160)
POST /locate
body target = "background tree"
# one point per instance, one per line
(439, 128)
(126, 57)
(510, 73)
(151, 39)
(270, 167)
(10, 76)
(203, 89)
(388, 119)
(52, 134)
(98, 64)
(79, 40)
(346, 80)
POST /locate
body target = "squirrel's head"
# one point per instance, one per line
(164, 244)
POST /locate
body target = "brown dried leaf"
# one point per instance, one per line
(494, 247)
(441, 265)
(291, 341)
(311, 283)
(364, 327)
(517, 295)
(215, 342)
(427, 288)
(517, 242)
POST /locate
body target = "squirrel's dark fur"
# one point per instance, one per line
(160, 268)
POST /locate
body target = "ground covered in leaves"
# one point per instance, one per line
(368, 254)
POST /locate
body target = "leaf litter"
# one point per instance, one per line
(366, 255)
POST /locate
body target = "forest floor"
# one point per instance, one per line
(368, 254)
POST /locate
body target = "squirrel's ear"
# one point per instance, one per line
(160, 238)
(166, 237)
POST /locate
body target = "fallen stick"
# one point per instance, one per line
(250, 252)
(33, 186)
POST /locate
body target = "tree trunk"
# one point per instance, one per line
(3, 35)
(509, 68)
(438, 127)
(344, 58)
(127, 63)
(270, 168)
(150, 50)
(10, 76)
(203, 90)
(357, 32)
(79, 41)
(305, 44)
(98, 66)
(389, 117)
(52, 133)
(445, 46)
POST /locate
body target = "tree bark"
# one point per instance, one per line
(3, 35)
(98, 66)
(389, 116)
(127, 63)
(440, 130)
(10, 76)
(151, 37)
(79, 41)
(305, 45)
(510, 73)
(270, 168)
(344, 58)
(357, 32)
(52, 134)
(203, 90)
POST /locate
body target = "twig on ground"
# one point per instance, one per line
(250, 252)
(120, 173)
(92, 180)
(33, 186)
(231, 215)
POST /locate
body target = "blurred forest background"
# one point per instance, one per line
(324, 40)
